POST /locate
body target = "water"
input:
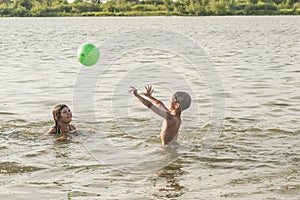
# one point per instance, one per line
(257, 152)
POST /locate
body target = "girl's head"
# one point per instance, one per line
(62, 113)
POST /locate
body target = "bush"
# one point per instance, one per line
(6, 11)
(145, 7)
(20, 11)
(239, 6)
(85, 7)
(260, 9)
(219, 7)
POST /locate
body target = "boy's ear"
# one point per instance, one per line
(177, 105)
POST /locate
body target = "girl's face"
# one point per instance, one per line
(66, 115)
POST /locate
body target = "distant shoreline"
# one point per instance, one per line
(61, 8)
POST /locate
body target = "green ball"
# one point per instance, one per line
(88, 54)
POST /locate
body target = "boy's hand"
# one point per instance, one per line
(149, 91)
(134, 90)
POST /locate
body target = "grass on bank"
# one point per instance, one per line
(34, 8)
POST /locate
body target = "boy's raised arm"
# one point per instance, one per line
(148, 93)
(148, 104)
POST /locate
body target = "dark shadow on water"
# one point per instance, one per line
(167, 180)
(16, 168)
(62, 143)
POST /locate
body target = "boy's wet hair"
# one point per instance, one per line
(183, 98)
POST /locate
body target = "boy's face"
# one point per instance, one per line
(66, 115)
(172, 103)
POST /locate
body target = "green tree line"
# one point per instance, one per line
(46, 8)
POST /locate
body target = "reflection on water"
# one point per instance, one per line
(62, 148)
(14, 167)
(167, 182)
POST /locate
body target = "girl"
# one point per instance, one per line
(62, 116)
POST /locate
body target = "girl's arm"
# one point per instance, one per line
(73, 128)
(51, 131)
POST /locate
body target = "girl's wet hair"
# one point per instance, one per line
(56, 112)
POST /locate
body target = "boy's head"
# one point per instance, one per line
(183, 98)
(174, 105)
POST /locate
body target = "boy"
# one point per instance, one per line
(171, 115)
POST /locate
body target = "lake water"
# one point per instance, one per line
(238, 140)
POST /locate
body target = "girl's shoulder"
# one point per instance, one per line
(52, 130)
(72, 127)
